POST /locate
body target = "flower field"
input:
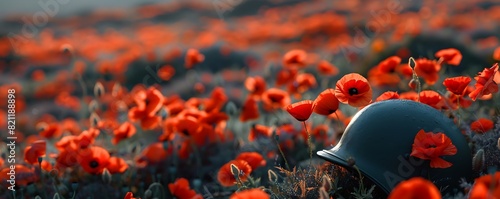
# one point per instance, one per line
(252, 100)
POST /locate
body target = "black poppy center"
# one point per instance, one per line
(94, 164)
(185, 132)
(147, 101)
(353, 91)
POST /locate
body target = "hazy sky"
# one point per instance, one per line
(8, 7)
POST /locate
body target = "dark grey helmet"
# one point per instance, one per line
(379, 141)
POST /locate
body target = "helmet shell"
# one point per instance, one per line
(379, 139)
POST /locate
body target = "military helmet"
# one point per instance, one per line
(379, 139)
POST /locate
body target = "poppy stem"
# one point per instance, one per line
(338, 119)
(458, 111)
(415, 76)
(309, 143)
(281, 152)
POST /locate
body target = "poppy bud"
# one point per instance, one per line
(273, 177)
(56, 196)
(94, 119)
(147, 194)
(196, 183)
(98, 89)
(38, 197)
(93, 106)
(478, 160)
(106, 176)
(351, 162)
(498, 144)
(235, 171)
(231, 109)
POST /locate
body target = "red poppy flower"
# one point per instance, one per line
(415, 187)
(384, 73)
(67, 142)
(457, 85)
(227, 178)
(302, 83)
(256, 86)
(66, 158)
(23, 175)
(181, 190)
(302, 110)
(409, 95)
(126, 130)
(285, 76)
(378, 78)
(486, 187)
(485, 84)
(405, 70)
(455, 100)
(428, 70)
(188, 126)
(117, 165)
(389, 65)
(326, 68)
(254, 159)
(353, 89)
(496, 54)
(64, 99)
(274, 98)
(93, 159)
(431, 98)
(388, 95)
(250, 110)
(320, 132)
(49, 130)
(326, 103)
(166, 72)
(451, 56)
(482, 125)
(217, 99)
(148, 104)
(34, 151)
(86, 138)
(46, 166)
(295, 58)
(130, 195)
(193, 57)
(430, 146)
(259, 130)
(214, 118)
(154, 153)
(254, 193)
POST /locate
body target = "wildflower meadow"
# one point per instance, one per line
(245, 99)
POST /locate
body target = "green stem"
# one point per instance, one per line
(281, 152)
(309, 143)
